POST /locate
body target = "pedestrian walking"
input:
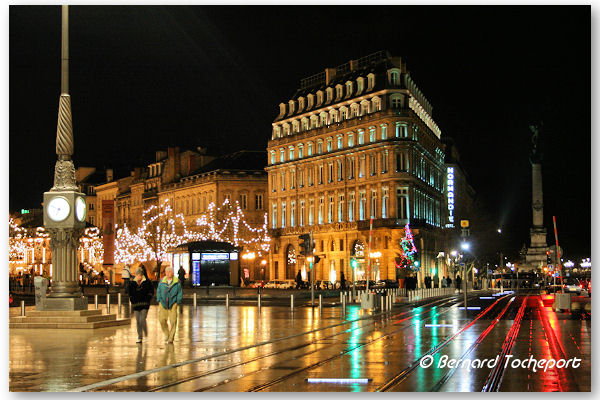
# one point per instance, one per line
(342, 281)
(444, 282)
(458, 281)
(143, 267)
(126, 276)
(299, 280)
(169, 295)
(181, 276)
(140, 293)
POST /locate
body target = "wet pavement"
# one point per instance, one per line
(242, 349)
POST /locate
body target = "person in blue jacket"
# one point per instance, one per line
(169, 295)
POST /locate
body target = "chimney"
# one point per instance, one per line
(175, 161)
(329, 75)
(160, 155)
(137, 172)
(353, 65)
(109, 175)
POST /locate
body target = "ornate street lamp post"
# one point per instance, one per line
(64, 205)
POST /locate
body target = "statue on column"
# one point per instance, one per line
(536, 152)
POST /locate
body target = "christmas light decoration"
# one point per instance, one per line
(407, 250)
(162, 229)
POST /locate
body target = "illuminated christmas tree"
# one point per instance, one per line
(406, 257)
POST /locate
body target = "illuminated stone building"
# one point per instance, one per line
(191, 181)
(356, 142)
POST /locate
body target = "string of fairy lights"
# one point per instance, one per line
(162, 229)
(31, 247)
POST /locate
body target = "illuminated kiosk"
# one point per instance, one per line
(207, 263)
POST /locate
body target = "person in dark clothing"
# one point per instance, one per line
(449, 281)
(428, 282)
(458, 282)
(101, 279)
(299, 280)
(181, 275)
(143, 267)
(342, 281)
(140, 295)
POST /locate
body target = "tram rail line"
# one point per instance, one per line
(405, 373)
(441, 302)
(450, 372)
(494, 379)
(274, 353)
(97, 385)
(321, 362)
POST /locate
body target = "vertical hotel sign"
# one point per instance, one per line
(108, 231)
(450, 185)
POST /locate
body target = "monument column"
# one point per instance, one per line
(536, 253)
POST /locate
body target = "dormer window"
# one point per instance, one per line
(329, 94)
(311, 101)
(360, 85)
(319, 98)
(292, 107)
(370, 81)
(394, 76)
(281, 109)
(300, 104)
(339, 92)
(348, 89)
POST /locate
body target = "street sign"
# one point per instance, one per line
(464, 223)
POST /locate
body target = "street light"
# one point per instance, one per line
(464, 246)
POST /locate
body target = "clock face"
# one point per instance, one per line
(80, 209)
(58, 209)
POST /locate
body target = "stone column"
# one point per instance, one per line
(64, 243)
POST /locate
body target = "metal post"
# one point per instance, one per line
(341, 295)
(227, 301)
(96, 301)
(312, 272)
(108, 303)
(259, 303)
(119, 300)
(344, 305)
(22, 308)
(195, 299)
(320, 303)
(382, 303)
(292, 302)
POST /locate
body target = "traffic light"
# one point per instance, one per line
(548, 258)
(354, 263)
(305, 248)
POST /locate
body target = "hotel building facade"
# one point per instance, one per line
(356, 145)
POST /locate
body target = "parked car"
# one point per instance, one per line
(281, 284)
(572, 285)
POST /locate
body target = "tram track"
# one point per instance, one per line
(406, 372)
(137, 375)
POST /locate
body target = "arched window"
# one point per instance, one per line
(323, 119)
(314, 121)
(311, 101)
(304, 124)
(292, 107)
(394, 76)
(339, 89)
(343, 113)
(329, 94)
(354, 110)
(333, 116)
(364, 107)
(319, 98)
(376, 104)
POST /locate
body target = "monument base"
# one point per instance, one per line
(63, 304)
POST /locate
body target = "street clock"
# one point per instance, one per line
(64, 209)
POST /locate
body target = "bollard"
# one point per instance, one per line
(227, 301)
(96, 301)
(259, 303)
(382, 303)
(341, 295)
(292, 302)
(119, 301)
(320, 303)
(344, 305)
(22, 308)
(195, 299)
(108, 303)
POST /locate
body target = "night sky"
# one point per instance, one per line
(144, 78)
